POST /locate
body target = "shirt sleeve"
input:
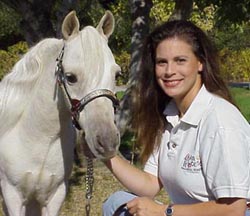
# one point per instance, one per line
(225, 156)
(151, 165)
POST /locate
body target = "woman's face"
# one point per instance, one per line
(177, 70)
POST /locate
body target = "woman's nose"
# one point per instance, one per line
(169, 70)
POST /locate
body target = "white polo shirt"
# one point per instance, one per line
(205, 155)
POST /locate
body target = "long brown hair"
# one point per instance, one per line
(149, 103)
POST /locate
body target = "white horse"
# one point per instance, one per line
(37, 101)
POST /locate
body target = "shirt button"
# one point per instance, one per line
(174, 145)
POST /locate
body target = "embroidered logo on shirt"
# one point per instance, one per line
(192, 163)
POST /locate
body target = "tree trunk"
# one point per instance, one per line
(140, 10)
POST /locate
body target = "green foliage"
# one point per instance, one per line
(89, 13)
(234, 12)
(11, 56)
(204, 18)
(233, 37)
(119, 95)
(235, 64)
(123, 60)
(161, 11)
(242, 99)
(127, 140)
(228, 11)
(121, 39)
(9, 25)
(9, 21)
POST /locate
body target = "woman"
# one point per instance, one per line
(195, 143)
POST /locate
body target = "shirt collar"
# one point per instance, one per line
(172, 113)
(194, 113)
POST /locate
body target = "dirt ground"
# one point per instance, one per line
(104, 185)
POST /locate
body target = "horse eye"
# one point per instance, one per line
(71, 78)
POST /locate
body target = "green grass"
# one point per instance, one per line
(242, 100)
(119, 95)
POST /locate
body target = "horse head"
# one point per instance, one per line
(88, 70)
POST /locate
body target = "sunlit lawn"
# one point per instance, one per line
(242, 99)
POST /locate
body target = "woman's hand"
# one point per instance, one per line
(143, 206)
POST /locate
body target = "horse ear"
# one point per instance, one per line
(106, 25)
(70, 26)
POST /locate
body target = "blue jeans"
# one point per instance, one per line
(115, 201)
(247, 213)
(122, 197)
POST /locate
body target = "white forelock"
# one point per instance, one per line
(96, 60)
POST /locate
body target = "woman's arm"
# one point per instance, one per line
(134, 179)
(143, 206)
(222, 207)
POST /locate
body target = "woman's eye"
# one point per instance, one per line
(180, 60)
(161, 62)
(71, 78)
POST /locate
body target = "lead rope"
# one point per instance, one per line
(132, 154)
(89, 181)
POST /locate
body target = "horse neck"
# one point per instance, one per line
(45, 111)
(48, 109)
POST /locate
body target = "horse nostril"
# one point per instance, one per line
(99, 141)
(107, 143)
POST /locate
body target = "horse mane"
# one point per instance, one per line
(18, 86)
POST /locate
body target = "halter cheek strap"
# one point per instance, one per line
(76, 106)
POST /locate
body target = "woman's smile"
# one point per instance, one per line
(172, 83)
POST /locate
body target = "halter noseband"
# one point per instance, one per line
(78, 105)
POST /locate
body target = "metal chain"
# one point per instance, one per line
(89, 180)
(133, 151)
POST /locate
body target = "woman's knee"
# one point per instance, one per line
(115, 201)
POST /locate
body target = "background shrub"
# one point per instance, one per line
(236, 64)
(11, 56)
(123, 60)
